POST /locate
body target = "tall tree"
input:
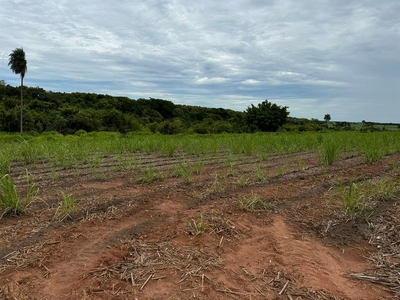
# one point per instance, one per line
(327, 118)
(18, 65)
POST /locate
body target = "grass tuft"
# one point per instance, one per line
(11, 202)
(352, 198)
(66, 208)
(252, 203)
(197, 227)
(329, 152)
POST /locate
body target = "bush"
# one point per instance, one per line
(80, 132)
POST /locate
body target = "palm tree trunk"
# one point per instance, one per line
(22, 104)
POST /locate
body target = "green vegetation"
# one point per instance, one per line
(252, 203)
(197, 227)
(359, 197)
(90, 149)
(353, 199)
(329, 151)
(11, 201)
(149, 175)
(266, 116)
(66, 208)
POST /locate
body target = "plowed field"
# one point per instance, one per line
(162, 231)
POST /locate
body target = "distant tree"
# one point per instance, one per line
(18, 65)
(327, 118)
(2, 82)
(368, 126)
(266, 116)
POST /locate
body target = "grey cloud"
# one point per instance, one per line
(338, 57)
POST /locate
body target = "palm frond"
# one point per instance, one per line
(17, 62)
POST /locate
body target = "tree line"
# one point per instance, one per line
(68, 113)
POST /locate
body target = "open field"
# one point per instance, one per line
(264, 216)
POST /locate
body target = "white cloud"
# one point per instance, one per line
(213, 80)
(338, 57)
(251, 82)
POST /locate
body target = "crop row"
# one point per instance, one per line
(71, 151)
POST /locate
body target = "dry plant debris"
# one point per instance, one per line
(386, 237)
(223, 227)
(158, 260)
(12, 290)
(30, 256)
(284, 287)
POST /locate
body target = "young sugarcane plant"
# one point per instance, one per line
(66, 208)
(11, 202)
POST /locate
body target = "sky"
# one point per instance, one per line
(338, 57)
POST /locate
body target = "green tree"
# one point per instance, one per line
(266, 116)
(18, 65)
(327, 118)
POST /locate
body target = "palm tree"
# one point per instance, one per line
(18, 65)
(327, 118)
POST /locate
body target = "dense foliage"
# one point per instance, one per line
(68, 113)
(266, 116)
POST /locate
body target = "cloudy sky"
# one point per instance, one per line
(340, 57)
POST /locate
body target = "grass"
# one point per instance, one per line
(361, 196)
(11, 201)
(183, 170)
(197, 227)
(352, 198)
(329, 152)
(149, 175)
(372, 155)
(260, 174)
(66, 208)
(252, 203)
(217, 186)
(383, 190)
(243, 181)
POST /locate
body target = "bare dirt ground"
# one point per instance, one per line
(131, 240)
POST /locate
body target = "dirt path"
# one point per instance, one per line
(131, 239)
